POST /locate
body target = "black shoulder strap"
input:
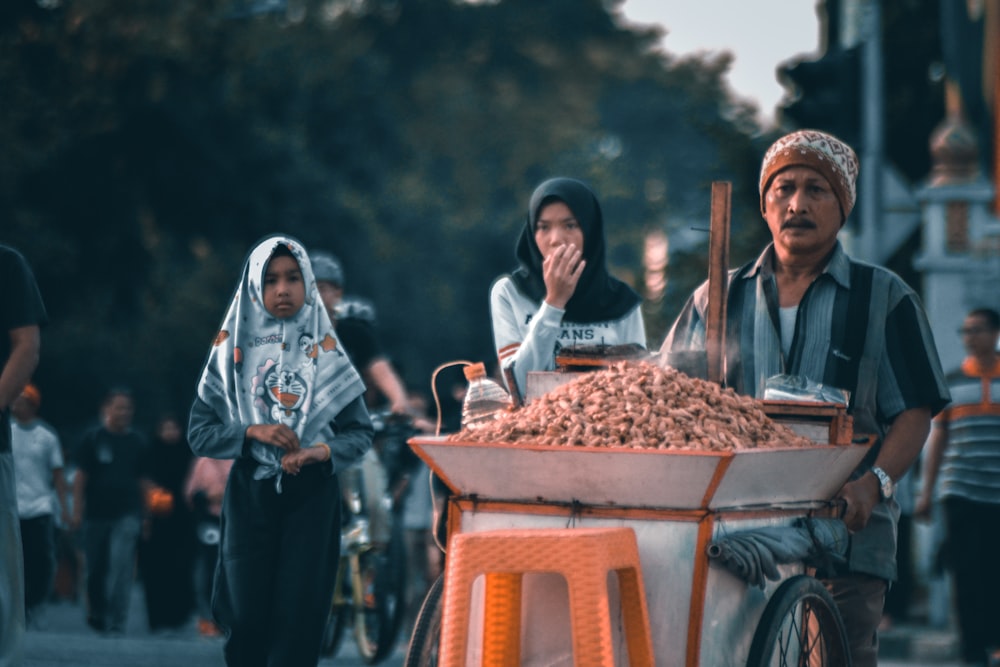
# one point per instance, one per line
(849, 329)
(735, 296)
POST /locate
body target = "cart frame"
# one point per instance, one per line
(699, 614)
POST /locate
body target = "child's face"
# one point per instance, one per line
(284, 288)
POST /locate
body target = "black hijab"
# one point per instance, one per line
(599, 297)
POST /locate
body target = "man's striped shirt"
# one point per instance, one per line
(970, 467)
(898, 368)
(858, 327)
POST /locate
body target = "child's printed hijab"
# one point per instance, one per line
(264, 370)
(599, 296)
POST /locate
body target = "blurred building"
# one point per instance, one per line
(927, 195)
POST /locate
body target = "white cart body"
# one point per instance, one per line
(677, 503)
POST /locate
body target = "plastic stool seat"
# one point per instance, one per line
(583, 556)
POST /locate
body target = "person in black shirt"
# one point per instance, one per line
(107, 504)
(22, 314)
(385, 471)
(167, 546)
(355, 328)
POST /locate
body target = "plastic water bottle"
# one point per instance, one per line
(485, 400)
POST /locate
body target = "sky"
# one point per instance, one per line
(760, 33)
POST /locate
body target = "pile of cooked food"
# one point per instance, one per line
(639, 405)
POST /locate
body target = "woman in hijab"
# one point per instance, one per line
(166, 547)
(279, 396)
(561, 294)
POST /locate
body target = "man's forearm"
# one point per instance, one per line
(62, 489)
(904, 441)
(79, 485)
(385, 378)
(25, 345)
(932, 459)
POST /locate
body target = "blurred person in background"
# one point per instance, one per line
(899, 597)
(962, 471)
(354, 321)
(417, 517)
(108, 506)
(166, 548)
(42, 498)
(203, 491)
(22, 314)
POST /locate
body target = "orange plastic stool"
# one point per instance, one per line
(584, 556)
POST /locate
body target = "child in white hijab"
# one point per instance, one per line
(278, 395)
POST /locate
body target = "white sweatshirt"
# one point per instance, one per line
(527, 335)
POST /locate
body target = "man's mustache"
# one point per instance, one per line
(798, 223)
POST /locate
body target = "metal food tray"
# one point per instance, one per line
(642, 478)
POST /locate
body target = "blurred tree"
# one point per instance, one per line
(148, 145)
(826, 91)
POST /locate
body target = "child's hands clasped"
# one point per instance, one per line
(296, 456)
(278, 435)
(293, 462)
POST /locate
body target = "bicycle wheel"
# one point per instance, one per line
(392, 584)
(800, 626)
(377, 592)
(338, 618)
(333, 632)
(426, 637)
(377, 628)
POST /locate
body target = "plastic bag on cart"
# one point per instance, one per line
(801, 388)
(754, 555)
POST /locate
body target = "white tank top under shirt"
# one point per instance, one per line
(787, 317)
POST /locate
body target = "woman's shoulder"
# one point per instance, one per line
(501, 283)
(504, 288)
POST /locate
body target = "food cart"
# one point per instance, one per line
(679, 503)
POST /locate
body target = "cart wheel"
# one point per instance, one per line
(423, 650)
(800, 626)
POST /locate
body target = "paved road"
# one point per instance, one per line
(64, 640)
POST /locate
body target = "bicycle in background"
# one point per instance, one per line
(370, 588)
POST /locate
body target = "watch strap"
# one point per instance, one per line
(885, 485)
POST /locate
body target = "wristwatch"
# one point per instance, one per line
(885, 483)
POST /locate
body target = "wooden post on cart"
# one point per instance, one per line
(718, 282)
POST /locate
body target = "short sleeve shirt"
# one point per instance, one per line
(113, 464)
(360, 341)
(37, 454)
(22, 302)
(21, 306)
(898, 368)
